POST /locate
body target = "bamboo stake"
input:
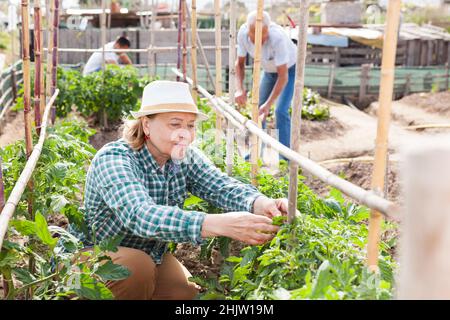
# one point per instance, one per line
(26, 76)
(203, 54)
(428, 126)
(51, 29)
(27, 109)
(179, 38)
(42, 71)
(297, 106)
(103, 35)
(218, 39)
(25, 176)
(151, 57)
(231, 85)
(364, 159)
(255, 88)
(153, 50)
(2, 204)
(386, 91)
(2, 187)
(54, 54)
(184, 38)
(194, 48)
(367, 198)
(13, 38)
(37, 65)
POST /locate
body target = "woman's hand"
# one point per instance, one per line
(242, 226)
(270, 207)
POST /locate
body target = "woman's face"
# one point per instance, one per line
(170, 133)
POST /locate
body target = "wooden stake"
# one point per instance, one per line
(42, 71)
(179, 37)
(194, 48)
(54, 55)
(447, 77)
(255, 89)
(103, 35)
(2, 204)
(13, 39)
(51, 29)
(26, 76)
(27, 111)
(424, 242)
(184, 38)
(37, 64)
(231, 85)
(2, 187)
(365, 70)
(218, 27)
(331, 81)
(203, 54)
(151, 57)
(297, 106)
(384, 112)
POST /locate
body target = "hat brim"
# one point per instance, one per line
(137, 114)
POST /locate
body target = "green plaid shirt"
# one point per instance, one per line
(128, 194)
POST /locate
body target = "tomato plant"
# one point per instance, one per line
(62, 270)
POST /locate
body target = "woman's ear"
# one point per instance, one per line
(146, 125)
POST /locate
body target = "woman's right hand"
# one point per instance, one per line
(242, 226)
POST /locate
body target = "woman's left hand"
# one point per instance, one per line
(270, 207)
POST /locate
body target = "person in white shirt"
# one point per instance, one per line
(95, 61)
(278, 58)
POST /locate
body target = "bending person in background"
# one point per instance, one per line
(95, 60)
(278, 58)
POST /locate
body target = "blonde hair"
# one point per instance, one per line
(133, 133)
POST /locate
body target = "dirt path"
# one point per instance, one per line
(12, 128)
(360, 138)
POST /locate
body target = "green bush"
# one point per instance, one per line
(115, 91)
(320, 256)
(57, 180)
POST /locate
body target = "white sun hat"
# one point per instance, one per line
(163, 96)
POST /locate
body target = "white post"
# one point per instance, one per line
(425, 239)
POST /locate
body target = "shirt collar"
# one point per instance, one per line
(171, 167)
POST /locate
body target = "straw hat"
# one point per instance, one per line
(162, 96)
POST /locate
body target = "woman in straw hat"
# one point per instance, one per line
(136, 187)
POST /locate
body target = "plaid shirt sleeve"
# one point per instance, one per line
(124, 193)
(206, 181)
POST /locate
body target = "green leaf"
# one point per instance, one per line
(111, 244)
(279, 220)
(9, 259)
(93, 290)
(24, 227)
(234, 259)
(23, 275)
(111, 271)
(192, 200)
(42, 231)
(322, 280)
(58, 202)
